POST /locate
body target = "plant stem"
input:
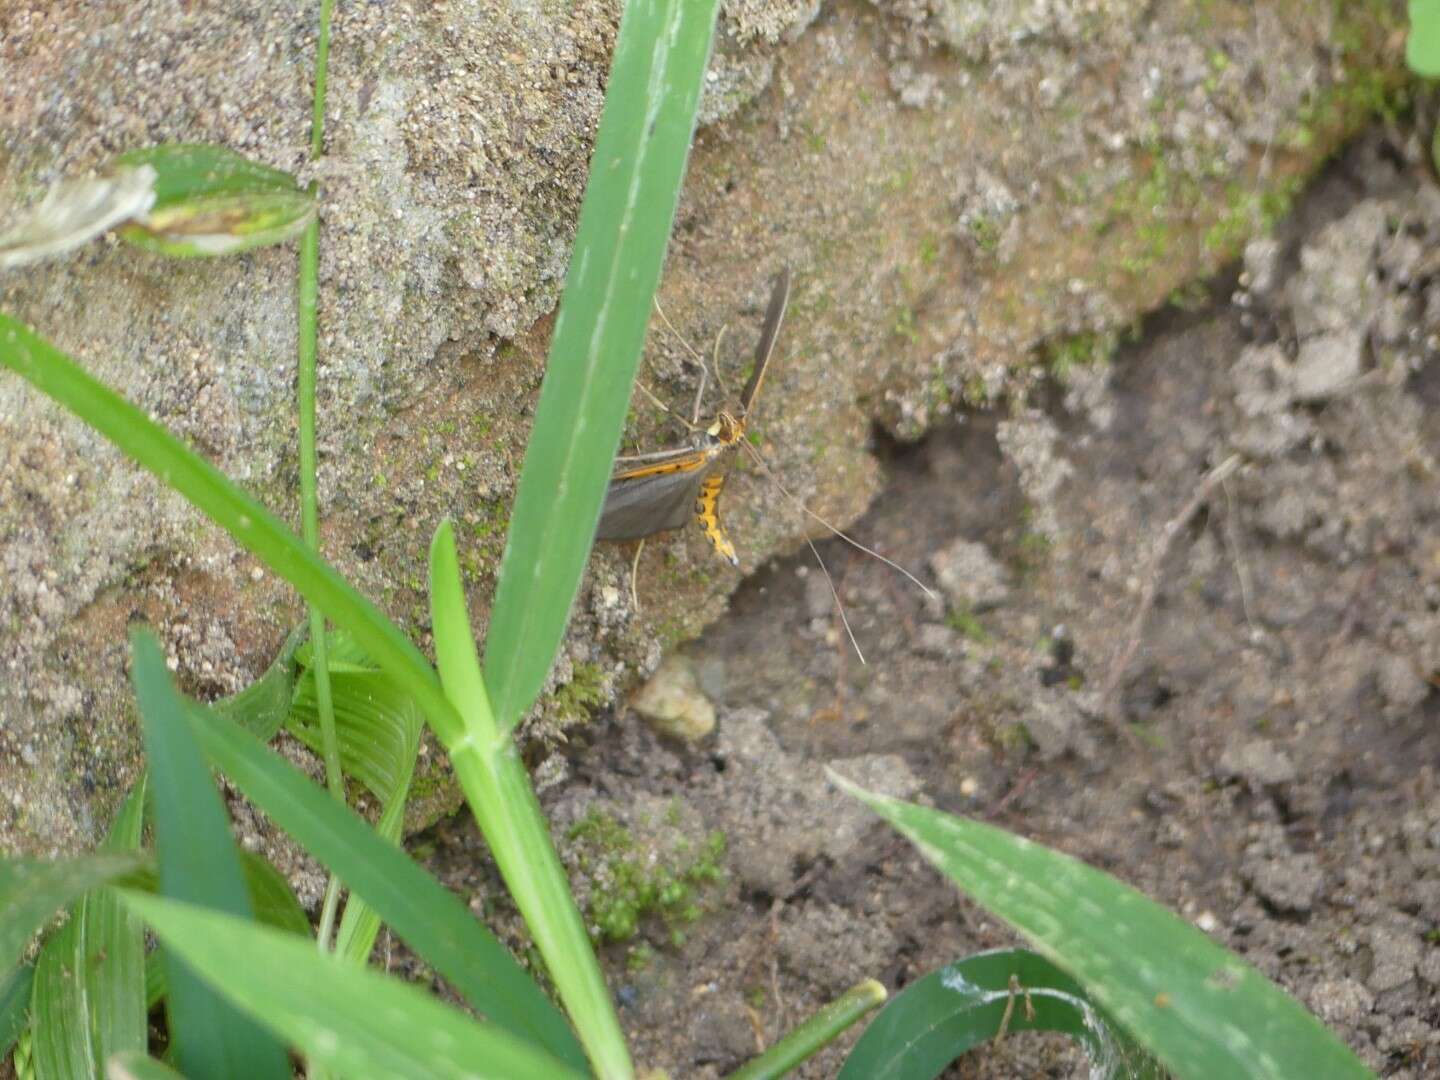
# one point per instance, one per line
(307, 299)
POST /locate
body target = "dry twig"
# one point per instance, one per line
(1109, 696)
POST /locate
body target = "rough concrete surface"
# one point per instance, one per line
(954, 188)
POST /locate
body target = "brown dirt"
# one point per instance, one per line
(1267, 764)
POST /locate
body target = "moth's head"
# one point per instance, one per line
(725, 429)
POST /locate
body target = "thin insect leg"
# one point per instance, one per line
(765, 465)
(699, 359)
(699, 396)
(658, 455)
(690, 425)
(715, 363)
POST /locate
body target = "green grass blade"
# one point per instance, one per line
(198, 862)
(350, 1019)
(1422, 44)
(114, 959)
(430, 920)
(814, 1034)
(32, 890)
(498, 790)
(360, 924)
(272, 898)
(378, 730)
(376, 722)
(14, 1005)
(253, 527)
(275, 905)
(62, 1046)
(965, 1004)
(212, 201)
(263, 706)
(89, 995)
(1201, 1010)
(635, 173)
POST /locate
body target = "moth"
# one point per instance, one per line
(659, 491)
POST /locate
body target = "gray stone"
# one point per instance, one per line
(1400, 685)
(1327, 363)
(970, 577)
(673, 704)
(1333, 291)
(1262, 259)
(1341, 1001)
(1288, 882)
(938, 640)
(1258, 762)
(1397, 952)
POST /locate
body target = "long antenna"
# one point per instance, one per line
(759, 459)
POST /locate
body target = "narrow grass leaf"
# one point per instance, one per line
(429, 919)
(61, 1042)
(198, 863)
(113, 957)
(253, 527)
(213, 201)
(360, 925)
(1422, 45)
(949, 1012)
(274, 903)
(89, 997)
(271, 897)
(498, 790)
(14, 1005)
(821, 1029)
(635, 173)
(350, 1019)
(376, 722)
(263, 707)
(377, 727)
(1201, 1010)
(32, 890)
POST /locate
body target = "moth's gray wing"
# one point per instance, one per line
(645, 505)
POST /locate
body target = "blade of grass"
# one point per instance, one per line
(963, 1005)
(307, 295)
(270, 895)
(1201, 1010)
(429, 919)
(115, 946)
(14, 1005)
(496, 785)
(377, 728)
(329, 1009)
(263, 706)
(32, 890)
(62, 1046)
(814, 1034)
(210, 201)
(630, 197)
(198, 862)
(360, 924)
(89, 997)
(275, 905)
(253, 527)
